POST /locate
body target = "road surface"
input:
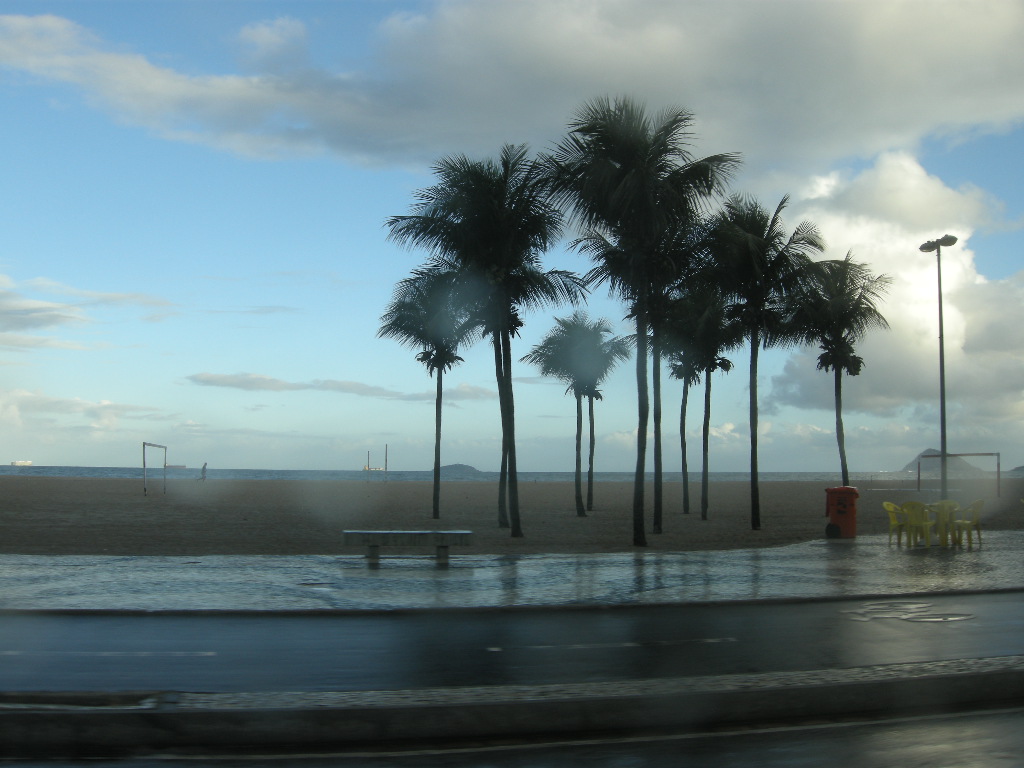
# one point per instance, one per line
(409, 650)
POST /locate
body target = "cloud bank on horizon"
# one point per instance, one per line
(859, 110)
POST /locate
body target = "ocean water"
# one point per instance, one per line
(457, 473)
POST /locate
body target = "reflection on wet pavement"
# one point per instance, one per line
(829, 568)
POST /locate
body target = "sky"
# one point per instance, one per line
(193, 248)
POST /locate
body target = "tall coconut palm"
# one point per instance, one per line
(577, 352)
(684, 367)
(679, 324)
(759, 264)
(723, 364)
(673, 317)
(488, 221)
(423, 315)
(715, 333)
(699, 331)
(835, 310)
(627, 177)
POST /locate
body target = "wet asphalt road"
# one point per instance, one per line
(408, 650)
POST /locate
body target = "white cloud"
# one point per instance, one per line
(274, 46)
(789, 84)
(883, 215)
(727, 432)
(24, 319)
(621, 439)
(464, 391)
(897, 190)
(255, 382)
(87, 297)
(19, 313)
(17, 341)
(17, 407)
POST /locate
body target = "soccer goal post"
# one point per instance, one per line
(145, 489)
(999, 466)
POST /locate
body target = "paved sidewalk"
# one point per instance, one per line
(828, 568)
(107, 724)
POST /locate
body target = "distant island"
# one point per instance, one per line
(954, 465)
(462, 469)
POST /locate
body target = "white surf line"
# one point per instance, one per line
(596, 646)
(133, 654)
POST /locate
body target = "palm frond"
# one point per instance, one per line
(836, 309)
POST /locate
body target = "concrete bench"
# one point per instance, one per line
(374, 540)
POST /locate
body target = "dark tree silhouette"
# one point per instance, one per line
(422, 315)
(834, 310)
(759, 265)
(577, 352)
(628, 178)
(488, 221)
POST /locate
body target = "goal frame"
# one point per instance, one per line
(999, 468)
(145, 488)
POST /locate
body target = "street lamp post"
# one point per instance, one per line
(936, 245)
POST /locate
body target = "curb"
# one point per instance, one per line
(136, 723)
(918, 594)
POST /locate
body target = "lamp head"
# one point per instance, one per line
(933, 245)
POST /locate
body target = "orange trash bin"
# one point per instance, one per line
(841, 510)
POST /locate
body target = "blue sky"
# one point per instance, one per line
(192, 241)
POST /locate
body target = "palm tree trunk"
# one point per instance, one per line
(840, 434)
(755, 494)
(590, 461)
(682, 447)
(510, 431)
(503, 487)
(503, 474)
(658, 469)
(704, 446)
(436, 506)
(580, 511)
(643, 407)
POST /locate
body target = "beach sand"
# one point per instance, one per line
(65, 516)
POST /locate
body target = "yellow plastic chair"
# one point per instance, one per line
(897, 522)
(969, 522)
(945, 513)
(919, 527)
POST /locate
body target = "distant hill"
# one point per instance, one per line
(459, 469)
(954, 465)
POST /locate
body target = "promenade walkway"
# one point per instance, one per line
(867, 566)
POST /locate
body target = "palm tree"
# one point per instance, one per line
(683, 366)
(715, 333)
(698, 332)
(488, 222)
(723, 364)
(835, 310)
(758, 265)
(678, 323)
(577, 353)
(422, 315)
(627, 178)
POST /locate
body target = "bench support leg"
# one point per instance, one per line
(373, 553)
(442, 554)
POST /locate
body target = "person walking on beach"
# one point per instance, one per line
(202, 476)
